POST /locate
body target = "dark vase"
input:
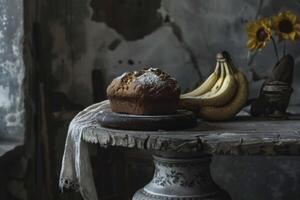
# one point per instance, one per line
(275, 93)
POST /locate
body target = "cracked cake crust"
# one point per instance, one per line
(145, 92)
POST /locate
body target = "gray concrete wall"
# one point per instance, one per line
(182, 38)
(11, 70)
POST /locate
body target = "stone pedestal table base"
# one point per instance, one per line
(181, 177)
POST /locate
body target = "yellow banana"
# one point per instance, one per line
(225, 93)
(188, 101)
(218, 96)
(219, 82)
(206, 85)
(228, 111)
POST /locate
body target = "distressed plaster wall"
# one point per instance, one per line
(11, 70)
(182, 38)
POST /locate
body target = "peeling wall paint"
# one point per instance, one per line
(185, 44)
(11, 69)
(132, 19)
(5, 101)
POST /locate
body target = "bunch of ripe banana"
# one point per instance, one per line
(222, 95)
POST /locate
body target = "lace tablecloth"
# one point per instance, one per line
(76, 172)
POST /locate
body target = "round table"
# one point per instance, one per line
(182, 157)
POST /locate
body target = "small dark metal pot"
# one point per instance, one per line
(277, 94)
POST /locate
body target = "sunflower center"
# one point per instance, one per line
(285, 26)
(261, 35)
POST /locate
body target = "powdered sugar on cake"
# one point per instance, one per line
(149, 78)
(153, 78)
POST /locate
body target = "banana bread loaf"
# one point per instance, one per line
(145, 92)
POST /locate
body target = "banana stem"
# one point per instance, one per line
(275, 48)
(229, 61)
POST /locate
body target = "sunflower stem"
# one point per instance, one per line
(275, 48)
(250, 57)
(284, 48)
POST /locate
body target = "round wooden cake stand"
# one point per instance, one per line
(181, 120)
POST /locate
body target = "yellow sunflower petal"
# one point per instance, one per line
(290, 16)
(261, 45)
(285, 36)
(292, 36)
(251, 43)
(250, 25)
(266, 23)
(293, 19)
(277, 17)
(252, 28)
(251, 34)
(297, 27)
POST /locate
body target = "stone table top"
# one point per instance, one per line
(242, 136)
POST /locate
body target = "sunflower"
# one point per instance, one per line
(259, 33)
(287, 26)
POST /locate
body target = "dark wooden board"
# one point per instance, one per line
(181, 120)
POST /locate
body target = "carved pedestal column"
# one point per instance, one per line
(181, 178)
